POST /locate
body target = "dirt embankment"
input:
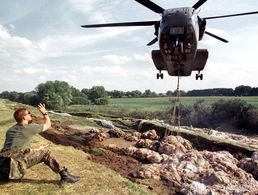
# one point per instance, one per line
(166, 165)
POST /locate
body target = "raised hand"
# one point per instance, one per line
(41, 108)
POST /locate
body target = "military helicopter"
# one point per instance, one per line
(178, 33)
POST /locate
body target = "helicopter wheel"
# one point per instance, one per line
(197, 76)
(161, 76)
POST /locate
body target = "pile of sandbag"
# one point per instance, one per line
(226, 135)
(193, 172)
(250, 165)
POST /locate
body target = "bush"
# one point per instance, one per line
(253, 121)
(101, 101)
(232, 113)
(80, 101)
(200, 117)
(97, 92)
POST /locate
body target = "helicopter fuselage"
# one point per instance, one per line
(178, 33)
(178, 36)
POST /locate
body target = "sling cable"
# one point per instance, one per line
(175, 114)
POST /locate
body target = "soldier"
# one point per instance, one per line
(16, 156)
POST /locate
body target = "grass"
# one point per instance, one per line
(95, 178)
(76, 120)
(97, 151)
(149, 107)
(142, 103)
(161, 103)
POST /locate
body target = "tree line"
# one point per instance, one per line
(238, 91)
(58, 94)
(241, 90)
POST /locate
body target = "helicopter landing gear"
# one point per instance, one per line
(199, 75)
(160, 75)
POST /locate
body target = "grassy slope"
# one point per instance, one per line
(95, 179)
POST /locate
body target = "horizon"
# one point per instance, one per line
(142, 91)
(43, 40)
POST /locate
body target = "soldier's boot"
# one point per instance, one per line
(4, 169)
(67, 177)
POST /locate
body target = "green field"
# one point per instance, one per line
(148, 107)
(161, 103)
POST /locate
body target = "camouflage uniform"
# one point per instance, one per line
(15, 158)
(14, 163)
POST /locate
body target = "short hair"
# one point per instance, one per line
(19, 114)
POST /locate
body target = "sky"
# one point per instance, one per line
(42, 41)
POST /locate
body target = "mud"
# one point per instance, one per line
(108, 151)
(62, 133)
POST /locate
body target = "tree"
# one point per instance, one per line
(161, 95)
(181, 92)
(25, 98)
(78, 97)
(97, 92)
(53, 100)
(169, 93)
(133, 94)
(136, 93)
(55, 94)
(243, 90)
(28, 98)
(153, 94)
(85, 91)
(224, 92)
(254, 91)
(5, 95)
(80, 100)
(147, 93)
(14, 96)
(116, 94)
(211, 92)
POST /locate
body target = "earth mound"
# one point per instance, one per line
(167, 164)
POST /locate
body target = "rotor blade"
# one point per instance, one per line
(152, 6)
(153, 41)
(216, 37)
(231, 15)
(143, 23)
(199, 4)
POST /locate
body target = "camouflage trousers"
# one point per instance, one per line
(42, 154)
(23, 160)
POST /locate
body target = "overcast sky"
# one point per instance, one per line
(42, 41)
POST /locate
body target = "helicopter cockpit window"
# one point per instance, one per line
(176, 30)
